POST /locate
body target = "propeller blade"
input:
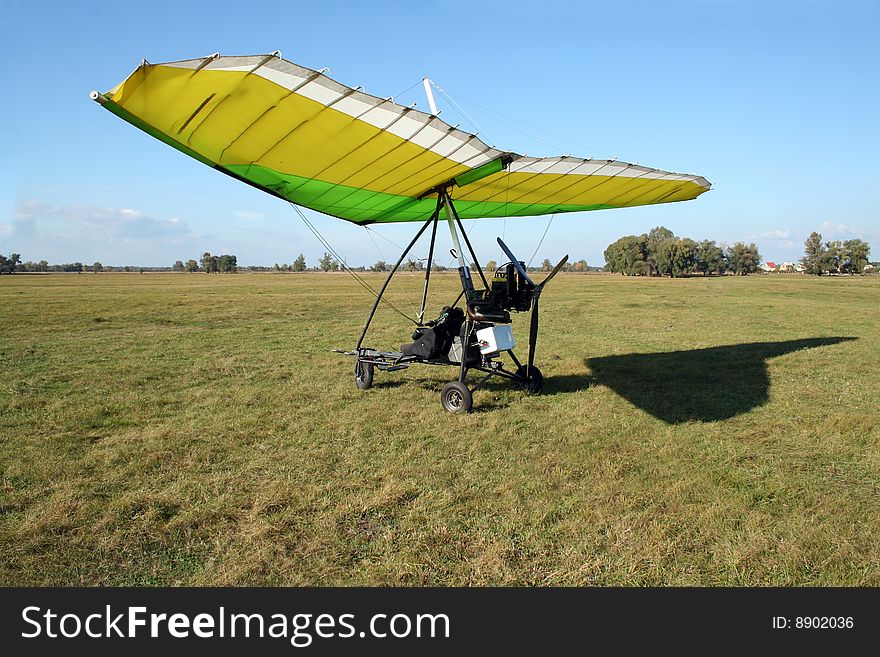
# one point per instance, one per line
(555, 271)
(515, 262)
(533, 332)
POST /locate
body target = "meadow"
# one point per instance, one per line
(193, 429)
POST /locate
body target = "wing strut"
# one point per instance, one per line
(415, 239)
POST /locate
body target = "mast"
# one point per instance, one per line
(464, 271)
(430, 94)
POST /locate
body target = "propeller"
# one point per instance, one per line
(539, 287)
(516, 263)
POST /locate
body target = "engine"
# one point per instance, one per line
(509, 290)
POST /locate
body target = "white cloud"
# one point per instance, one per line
(64, 233)
(781, 234)
(247, 215)
(779, 239)
(830, 229)
(92, 221)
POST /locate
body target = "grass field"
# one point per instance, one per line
(195, 429)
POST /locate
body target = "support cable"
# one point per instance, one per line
(348, 269)
(541, 241)
(459, 108)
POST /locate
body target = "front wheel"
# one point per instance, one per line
(456, 398)
(363, 375)
(535, 380)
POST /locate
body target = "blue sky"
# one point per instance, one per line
(775, 102)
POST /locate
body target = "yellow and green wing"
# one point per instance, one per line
(300, 135)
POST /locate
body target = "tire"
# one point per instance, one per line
(456, 398)
(535, 381)
(363, 375)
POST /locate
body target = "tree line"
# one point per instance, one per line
(661, 253)
(13, 263)
(229, 264)
(656, 253)
(840, 257)
(327, 263)
(210, 264)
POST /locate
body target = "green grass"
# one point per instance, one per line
(194, 429)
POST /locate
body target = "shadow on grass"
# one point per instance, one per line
(699, 384)
(394, 383)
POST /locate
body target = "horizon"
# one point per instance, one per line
(768, 101)
(365, 265)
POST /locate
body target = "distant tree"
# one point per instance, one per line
(859, 251)
(836, 257)
(326, 262)
(140, 270)
(226, 264)
(815, 255)
(662, 256)
(660, 253)
(754, 258)
(191, 266)
(709, 258)
(659, 234)
(546, 265)
(735, 257)
(97, 267)
(580, 265)
(8, 265)
(641, 268)
(42, 266)
(674, 257)
(491, 265)
(614, 257)
(685, 257)
(847, 257)
(379, 266)
(412, 265)
(743, 259)
(657, 246)
(178, 265)
(300, 263)
(628, 256)
(277, 267)
(209, 263)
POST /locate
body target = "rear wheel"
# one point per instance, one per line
(363, 375)
(535, 380)
(456, 398)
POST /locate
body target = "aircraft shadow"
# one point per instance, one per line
(698, 384)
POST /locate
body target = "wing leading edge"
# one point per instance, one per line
(300, 135)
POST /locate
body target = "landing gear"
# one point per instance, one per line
(363, 375)
(535, 380)
(456, 398)
(485, 332)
